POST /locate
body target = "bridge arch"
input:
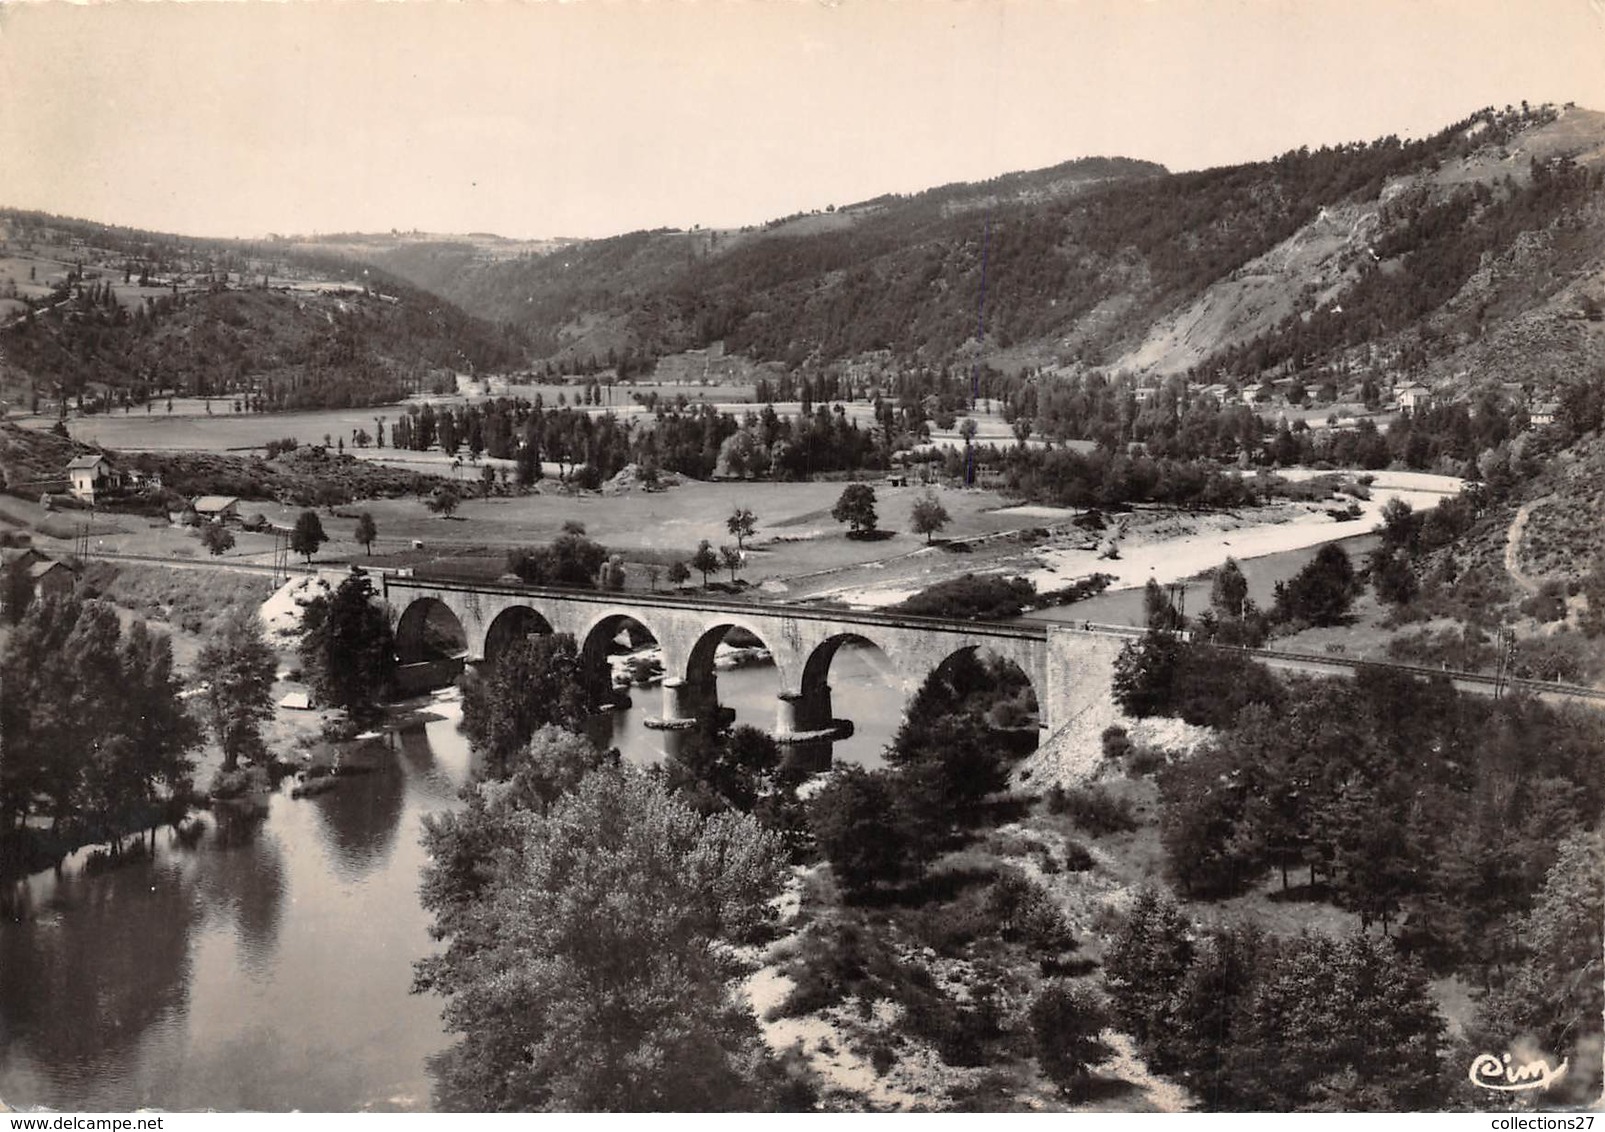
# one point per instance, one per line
(511, 625)
(429, 630)
(597, 643)
(701, 679)
(1016, 703)
(816, 669)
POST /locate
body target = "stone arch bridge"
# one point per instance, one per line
(1069, 668)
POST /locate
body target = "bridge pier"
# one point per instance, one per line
(806, 728)
(679, 710)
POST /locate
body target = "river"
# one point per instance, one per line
(267, 966)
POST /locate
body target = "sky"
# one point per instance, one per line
(594, 117)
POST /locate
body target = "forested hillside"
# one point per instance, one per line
(1399, 254)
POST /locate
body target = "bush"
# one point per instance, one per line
(1144, 761)
(1077, 858)
(1467, 649)
(987, 597)
(1023, 911)
(1165, 675)
(1548, 604)
(854, 820)
(1116, 743)
(1094, 809)
(1066, 1021)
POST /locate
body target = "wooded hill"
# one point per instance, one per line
(1413, 256)
(113, 313)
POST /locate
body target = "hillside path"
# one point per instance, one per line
(1513, 536)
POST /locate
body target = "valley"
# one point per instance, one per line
(1346, 403)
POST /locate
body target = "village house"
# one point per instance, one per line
(1413, 397)
(88, 475)
(46, 576)
(216, 508)
(1543, 413)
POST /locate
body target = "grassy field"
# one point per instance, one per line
(795, 535)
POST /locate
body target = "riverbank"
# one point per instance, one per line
(1162, 544)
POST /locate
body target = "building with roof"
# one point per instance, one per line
(217, 508)
(31, 575)
(89, 474)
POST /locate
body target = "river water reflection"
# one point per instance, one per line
(268, 966)
(265, 968)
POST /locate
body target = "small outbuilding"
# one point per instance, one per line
(43, 576)
(51, 579)
(217, 508)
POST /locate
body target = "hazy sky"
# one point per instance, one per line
(593, 117)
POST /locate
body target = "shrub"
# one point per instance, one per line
(1144, 761)
(1077, 858)
(1024, 912)
(987, 597)
(1548, 604)
(853, 818)
(1095, 810)
(1116, 743)
(1066, 1021)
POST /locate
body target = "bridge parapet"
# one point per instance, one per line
(1068, 668)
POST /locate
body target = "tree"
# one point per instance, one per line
(1159, 611)
(444, 501)
(91, 719)
(1211, 846)
(853, 817)
(728, 769)
(216, 538)
(1066, 1021)
(1321, 593)
(348, 648)
(595, 973)
(366, 532)
(1228, 592)
(679, 573)
(534, 682)
(653, 573)
(741, 523)
(929, 516)
(239, 668)
(705, 561)
(1147, 960)
(856, 508)
(307, 535)
(16, 590)
(613, 573)
(570, 560)
(1145, 674)
(1329, 1022)
(1392, 577)
(731, 559)
(1555, 997)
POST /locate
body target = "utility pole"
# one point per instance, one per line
(281, 556)
(1505, 661)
